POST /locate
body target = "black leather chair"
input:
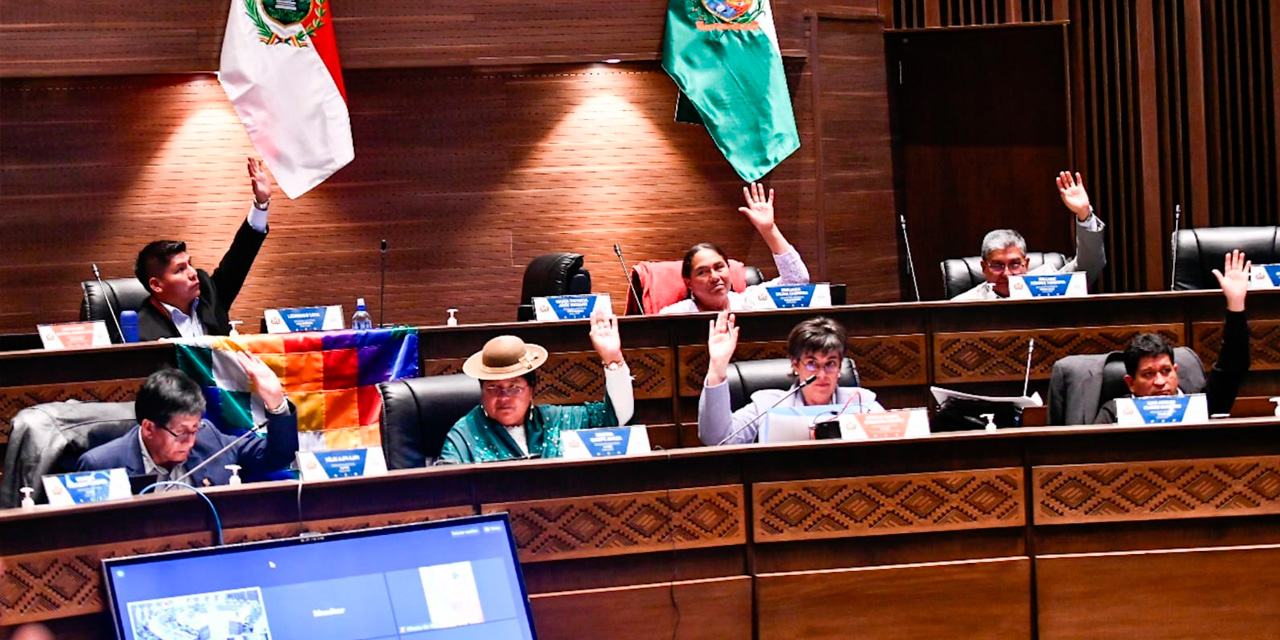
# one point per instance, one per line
(49, 438)
(122, 293)
(552, 274)
(1073, 378)
(417, 414)
(962, 274)
(1200, 251)
(749, 376)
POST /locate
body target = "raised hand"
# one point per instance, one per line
(1071, 188)
(1234, 279)
(759, 210)
(605, 337)
(259, 179)
(722, 341)
(262, 380)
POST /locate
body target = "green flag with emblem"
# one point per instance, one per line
(724, 55)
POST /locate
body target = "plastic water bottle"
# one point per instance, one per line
(129, 326)
(360, 320)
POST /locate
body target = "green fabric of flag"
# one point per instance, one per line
(724, 55)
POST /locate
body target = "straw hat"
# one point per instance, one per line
(504, 357)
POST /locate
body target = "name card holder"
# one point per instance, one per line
(85, 487)
(74, 335)
(791, 296)
(885, 425)
(342, 463)
(606, 442)
(1265, 276)
(1049, 285)
(300, 319)
(577, 307)
(1162, 410)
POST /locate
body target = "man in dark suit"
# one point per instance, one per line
(188, 302)
(171, 439)
(1148, 359)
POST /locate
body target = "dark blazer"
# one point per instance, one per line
(1075, 386)
(255, 455)
(217, 292)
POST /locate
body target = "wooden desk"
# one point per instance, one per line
(1026, 533)
(901, 349)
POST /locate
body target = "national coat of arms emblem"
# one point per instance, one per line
(291, 22)
(726, 15)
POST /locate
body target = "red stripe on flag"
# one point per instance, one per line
(327, 46)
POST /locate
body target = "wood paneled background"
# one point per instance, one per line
(486, 135)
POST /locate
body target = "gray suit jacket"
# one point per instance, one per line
(1075, 386)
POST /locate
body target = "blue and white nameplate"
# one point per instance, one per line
(304, 319)
(343, 463)
(569, 307)
(1049, 285)
(1162, 410)
(790, 296)
(1265, 276)
(605, 443)
(87, 486)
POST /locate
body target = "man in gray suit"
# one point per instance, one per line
(1004, 251)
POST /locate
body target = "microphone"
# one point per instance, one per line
(626, 273)
(1173, 243)
(382, 287)
(1026, 381)
(911, 265)
(220, 451)
(804, 383)
(107, 298)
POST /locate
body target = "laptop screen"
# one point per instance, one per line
(444, 580)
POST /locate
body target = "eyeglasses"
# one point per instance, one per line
(185, 437)
(999, 267)
(830, 366)
(509, 391)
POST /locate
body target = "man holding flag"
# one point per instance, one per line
(724, 55)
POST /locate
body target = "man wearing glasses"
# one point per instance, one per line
(171, 438)
(508, 425)
(817, 348)
(1004, 251)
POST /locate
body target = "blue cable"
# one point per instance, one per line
(217, 522)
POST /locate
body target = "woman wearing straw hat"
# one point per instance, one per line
(508, 425)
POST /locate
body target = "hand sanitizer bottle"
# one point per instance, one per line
(235, 474)
(453, 320)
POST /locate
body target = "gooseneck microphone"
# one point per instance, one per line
(106, 297)
(911, 265)
(626, 273)
(804, 383)
(382, 287)
(221, 451)
(1173, 243)
(1026, 381)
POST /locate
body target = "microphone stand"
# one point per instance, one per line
(382, 287)
(1026, 381)
(106, 297)
(221, 451)
(804, 383)
(1173, 265)
(626, 273)
(911, 265)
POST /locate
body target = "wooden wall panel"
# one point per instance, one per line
(1186, 594)
(717, 608)
(989, 599)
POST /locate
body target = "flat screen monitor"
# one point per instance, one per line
(444, 580)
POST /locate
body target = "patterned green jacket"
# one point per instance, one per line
(478, 438)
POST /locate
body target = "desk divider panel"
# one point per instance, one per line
(1264, 343)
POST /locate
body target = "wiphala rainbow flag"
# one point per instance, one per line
(331, 377)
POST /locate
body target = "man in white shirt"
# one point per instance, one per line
(1004, 251)
(188, 302)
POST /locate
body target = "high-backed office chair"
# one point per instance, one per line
(749, 376)
(1079, 385)
(49, 438)
(552, 274)
(417, 414)
(1200, 251)
(660, 283)
(122, 293)
(962, 274)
